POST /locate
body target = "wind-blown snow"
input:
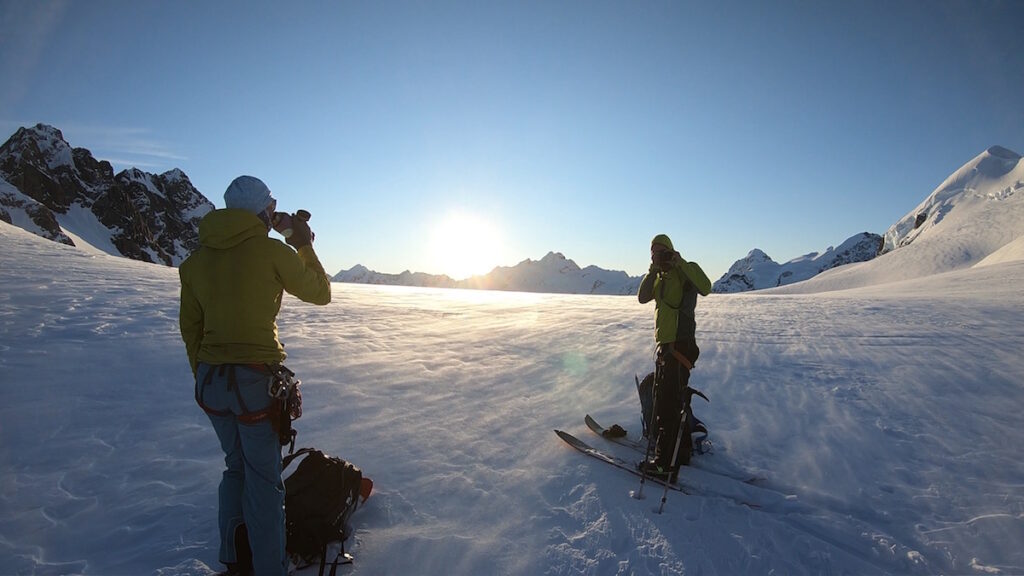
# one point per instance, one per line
(885, 423)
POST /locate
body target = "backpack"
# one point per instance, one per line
(694, 430)
(320, 497)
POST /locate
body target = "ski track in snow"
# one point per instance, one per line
(885, 422)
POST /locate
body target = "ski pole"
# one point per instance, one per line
(675, 456)
(636, 378)
(650, 430)
(683, 419)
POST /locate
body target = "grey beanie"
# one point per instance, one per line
(248, 193)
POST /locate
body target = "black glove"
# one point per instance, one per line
(663, 260)
(301, 234)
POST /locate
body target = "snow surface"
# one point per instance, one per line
(884, 422)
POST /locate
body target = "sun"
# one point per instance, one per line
(463, 244)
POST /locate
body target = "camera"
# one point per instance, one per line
(663, 257)
(282, 221)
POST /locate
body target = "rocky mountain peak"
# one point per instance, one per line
(558, 261)
(146, 217)
(758, 271)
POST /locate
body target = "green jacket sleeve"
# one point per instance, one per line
(698, 277)
(646, 292)
(303, 276)
(190, 321)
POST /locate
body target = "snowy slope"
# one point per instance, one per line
(24, 211)
(977, 187)
(975, 214)
(886, 422)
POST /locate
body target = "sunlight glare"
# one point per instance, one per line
(464, 244)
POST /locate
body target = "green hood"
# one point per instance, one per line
(229, 227)
(663, 240)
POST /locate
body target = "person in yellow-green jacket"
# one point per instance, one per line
(231, 290)
(673, 284)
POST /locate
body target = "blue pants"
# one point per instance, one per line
(251, 490)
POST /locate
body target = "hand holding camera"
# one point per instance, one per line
(294, 228)
(663, 259)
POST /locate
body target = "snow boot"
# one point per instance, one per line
(615, 431)
(659, 471)
(243, 554)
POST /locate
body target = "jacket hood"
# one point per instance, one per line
(229, 227)
(663, 240)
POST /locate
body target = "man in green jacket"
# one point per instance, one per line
(673, 284)
(231, 290)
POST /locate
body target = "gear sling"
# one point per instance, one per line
(282, 386)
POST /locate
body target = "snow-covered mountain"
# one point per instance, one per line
(63, 194)
(758, 271)
(554, 273)
(979, 187)
(360, 274)
(974, 218)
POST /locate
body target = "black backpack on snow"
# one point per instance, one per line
(320, 497)
(694, 430)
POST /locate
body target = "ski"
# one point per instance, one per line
(637, 445)
(614, 461)
(694, 481)
(641, 448)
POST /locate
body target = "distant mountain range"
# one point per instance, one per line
(66, 195)
(557, 274)
(758, 271)
(554, 273)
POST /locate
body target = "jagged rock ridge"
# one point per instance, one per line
(758, 271)
(49, 188)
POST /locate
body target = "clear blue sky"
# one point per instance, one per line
(449, 137)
